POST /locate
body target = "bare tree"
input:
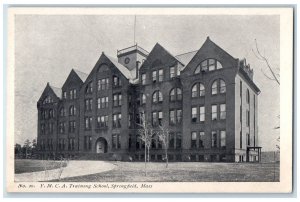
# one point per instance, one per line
(146, 134)
(164, 136)
(274, 76)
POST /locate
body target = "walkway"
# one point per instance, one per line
(74, 168)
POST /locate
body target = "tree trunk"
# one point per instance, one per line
(145, 161)
(167, 159)
(148, 154)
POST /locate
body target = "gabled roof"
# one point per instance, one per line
(81, 75)
(120, 67)
(157, 44)
(56, 90)
(185, 58)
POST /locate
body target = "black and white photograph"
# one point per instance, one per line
(143, 99)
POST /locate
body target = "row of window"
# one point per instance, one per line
(217, 112)
(48, 100)
(197, 139)
(47, 114)
(208, 65)
(61, 144)
(72, 94)
(158, 75)
(103, 84)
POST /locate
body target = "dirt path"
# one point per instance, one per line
(73, 169)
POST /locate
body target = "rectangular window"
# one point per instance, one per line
(172, 117)
(154, 118)
(107, 83)
(117, 100)
(98, 103)
(178, 141)
(106, 102)
(172, 72)
(88, 123)
(248, 139)
(71, 94)
(154, 76)
(223, 139)
(143, 79)
(160, 75)
(116, 144)
(160, 118)
(194, 114)
(120, 100)
(64, 95)
(194, 140)
(201, 139)
(179, 115)
(214, 139)
(248, 118)
(115, 97)
(202, 113)
(214, 112)
(222, 111)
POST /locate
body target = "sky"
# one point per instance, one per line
(47, 47)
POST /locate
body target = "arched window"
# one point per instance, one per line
(175, 94)
(248, 96)
(179, 94)
(172, 95)
(198, 69)
(202, 90)
(208, 64)
(195, 90)
(157, 97)
(198, 89)
(214, 87)
(160, 97)
(222, 86)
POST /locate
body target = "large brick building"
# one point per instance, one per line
(207, 98)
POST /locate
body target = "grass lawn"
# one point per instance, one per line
(29, 165)
(185, 172)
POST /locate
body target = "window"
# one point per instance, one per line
(172, 95)
(117, 81)
(88, 104)
(89, 87)
(222, 111)
(71, 144)
(116, 141)
(209, 64)
(51, 125)
(64, 95)
(157, 97)
(143, 98)
(73, 94)
(51, 113)
(201, 137)
(175, 94)
(198, 89)
(198, 69)
(160, 75)
(179, 115)
(61, 127)
(171, 140)
(62, 112)
(178, 140)
(214, 112)
(202, 113)
(72, 126)
(248, 139)
(172, 117)
(172, 72)
(117, 99)
(154, 119)
(102, 121)
(222, 86)
(195, 90)
(88, 123)
(154, 75)
(117, 120)
(214, 88)
(143, 79)
(87, 142)
(223, 139)
(248, 96)
(214, 139)
(194, 114)
(247, 117)
(72, 111)
(103, 84)
(160, 118)
(194, 140)
(98, 103)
